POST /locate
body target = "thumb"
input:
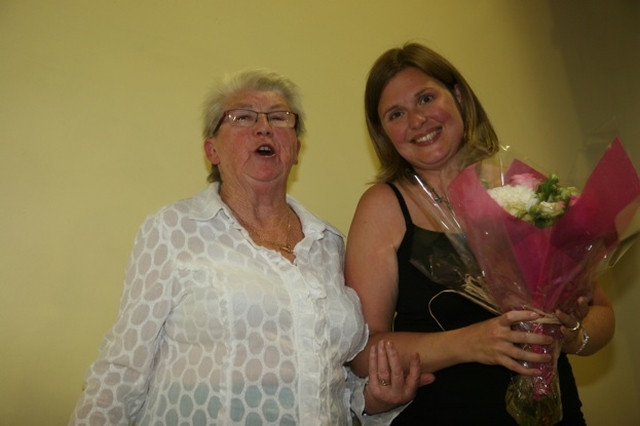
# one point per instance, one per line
(427, 379)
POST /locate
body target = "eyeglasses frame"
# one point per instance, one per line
(226, 113)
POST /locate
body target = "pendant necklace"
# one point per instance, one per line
(286, 247)
(431, 191)
(437, 197)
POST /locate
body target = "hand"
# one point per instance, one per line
(494, 342)
(388, 385)
(571, 324)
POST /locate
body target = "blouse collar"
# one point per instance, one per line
(208, 203)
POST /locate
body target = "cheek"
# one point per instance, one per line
(394, 133)
(449, 113)
(459, 127)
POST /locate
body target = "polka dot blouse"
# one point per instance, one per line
(213, 329)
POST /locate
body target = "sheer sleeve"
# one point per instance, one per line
(115, 385)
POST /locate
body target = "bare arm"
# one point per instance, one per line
(371, 269)
(596, 316)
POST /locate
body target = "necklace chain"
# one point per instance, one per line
(433, 194)
(436, 196)
(286, 247)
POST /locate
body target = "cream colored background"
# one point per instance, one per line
(100, 126)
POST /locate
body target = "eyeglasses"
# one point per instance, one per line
(247, 118)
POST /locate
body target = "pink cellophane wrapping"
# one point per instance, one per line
(547, 268)
(523, 266)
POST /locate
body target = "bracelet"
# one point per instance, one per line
(585, 340)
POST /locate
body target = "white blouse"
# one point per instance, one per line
(213, 329)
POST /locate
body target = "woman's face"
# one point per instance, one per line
(261, 153)
(422, 119)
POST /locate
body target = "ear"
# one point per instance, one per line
(210, 151)
(298, 145)
(458, 95)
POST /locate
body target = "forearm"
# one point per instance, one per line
(599, 325)
(490, 342)
(436, 350)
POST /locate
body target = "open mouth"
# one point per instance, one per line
(265, 150)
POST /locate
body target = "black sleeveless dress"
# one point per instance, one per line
(464, 394)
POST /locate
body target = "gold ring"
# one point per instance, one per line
(384, 382)
(577, 327)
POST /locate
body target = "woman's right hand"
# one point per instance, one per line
(495, 342)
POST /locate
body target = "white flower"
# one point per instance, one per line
(538, 202)
(517, 200)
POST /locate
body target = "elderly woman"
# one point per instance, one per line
(234, 308)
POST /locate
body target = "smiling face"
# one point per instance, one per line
(422, 119)
(257, 154)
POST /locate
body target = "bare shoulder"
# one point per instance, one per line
(379, 198)
(378, 203)
(378, 216)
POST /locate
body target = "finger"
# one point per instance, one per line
(373, 365)
(426, 379)
(524, 361)
(413, 378)
(566, 321)
(531, 338)
(583, 308)
(583, 302)
(541, 355)
(517, 367)
(518, 316)
(383, 362)
(570, 326)
(397, 372)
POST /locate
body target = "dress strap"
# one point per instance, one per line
(403, 206)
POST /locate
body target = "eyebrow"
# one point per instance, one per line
(276, 107)
(415, 96)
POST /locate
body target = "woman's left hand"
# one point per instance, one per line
(570, 327)
(388, 385)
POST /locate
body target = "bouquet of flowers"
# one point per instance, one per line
(526, 242)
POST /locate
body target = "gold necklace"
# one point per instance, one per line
(286, 247)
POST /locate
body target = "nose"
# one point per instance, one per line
(262, 126)
(416, 119)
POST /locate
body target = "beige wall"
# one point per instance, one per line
(99, 126)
